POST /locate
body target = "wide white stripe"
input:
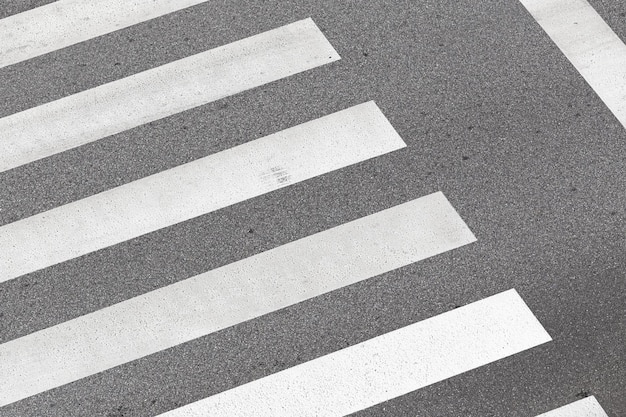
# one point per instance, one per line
(159, 92)
(207, 184)
(590, 44)
(387, 366)
(66, 22)
(229, 295)
(587, 407)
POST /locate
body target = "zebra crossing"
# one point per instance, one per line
(230, 295)
(142, 98)
(66, 22)
(386, 366)
(587, 407)
(196, 188)
(590, 44)
(339, 383)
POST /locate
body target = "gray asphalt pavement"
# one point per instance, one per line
(493, 114)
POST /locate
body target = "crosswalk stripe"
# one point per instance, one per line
(386, 366)
(587, 407)
(196, 188)
(67, 22)
(162, 91)
(229, 295)
(590, 44)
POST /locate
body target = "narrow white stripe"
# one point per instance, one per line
(66, 22)
(387, 366)
(199, 187)
(229, 295)
(160, 92)
(590, 44)
(587, 407)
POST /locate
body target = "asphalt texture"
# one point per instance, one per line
(493, 114)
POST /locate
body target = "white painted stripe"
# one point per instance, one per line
(387, 366)
(590, 44)
(587, 407)
(199, 187)
(160, 92)
(229, 295)
(67, 22)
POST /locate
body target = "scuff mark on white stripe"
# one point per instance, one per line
(590, 44)
(196, 188)
(120, 105)
(67, 22)
(587, 407)
(229, 295)
(387, 366)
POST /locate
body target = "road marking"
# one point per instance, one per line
(386, 366)
(229, 295)
(590, 44)
(67, 22)
(196, 188)
(120, 105)
(587, 407)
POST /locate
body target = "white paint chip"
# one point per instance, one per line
(590, 44)
(387, 366)
(196, 188)
(587, 407)
(120, 105)
(234, 293)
